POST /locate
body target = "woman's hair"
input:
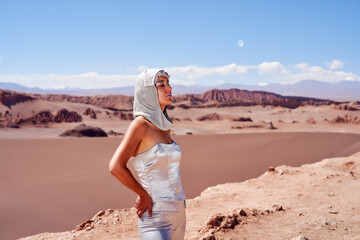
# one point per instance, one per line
(161, 73)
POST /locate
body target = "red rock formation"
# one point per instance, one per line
(237, 97)
(90, 112)
(124, 115)
(9, 98)
(311, 120)
(221, 222)
(63, 115)
(12, 125)
(83, 130)
(346, 107)
(271, 126)
(212, 98)
(39, 118)
(106, 101)
(345, 119)
(113, 133)
(242, 119)
(257, 97)
(175, 119)
(186, 119)
(211, 116)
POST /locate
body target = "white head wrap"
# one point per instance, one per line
(146, 101)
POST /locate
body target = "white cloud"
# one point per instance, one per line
(307, 72)
(273, 68)
(335, 64)
(261, 84)
(240, 43)
(85, 80)
(194, 72)
(268, 72)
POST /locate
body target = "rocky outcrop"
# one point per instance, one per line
(90, 112)
(271, 126)
(238, 97)
(353, 106)
(113, 102)
(311, 120)
(83, 130)
(318, 197)
(9, 98)
(12, 125)
(221, 222)
(186, 119)
(113, 133)
(242, 119)
(173, 119)
(124, 115)
(212, 98)
(346, 119)
(63, 115)
(43, 117)
(211, 116)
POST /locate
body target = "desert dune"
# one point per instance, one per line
(228, 139)
(313, 201)
(54, 188)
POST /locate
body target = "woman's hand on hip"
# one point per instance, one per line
(143, 203)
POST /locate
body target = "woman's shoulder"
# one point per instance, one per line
(139, 120)
(137, 129)
(140, 123)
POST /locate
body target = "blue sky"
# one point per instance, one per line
(90, 44)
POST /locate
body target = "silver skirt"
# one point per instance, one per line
(168, 221)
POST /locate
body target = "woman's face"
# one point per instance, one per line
(164, 91)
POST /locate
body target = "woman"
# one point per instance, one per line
(160, 205)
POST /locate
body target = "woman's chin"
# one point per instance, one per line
(169, 101)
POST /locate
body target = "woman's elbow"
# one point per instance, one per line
(113, 168)
(116, 168)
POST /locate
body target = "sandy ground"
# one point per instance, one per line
(314, 201)
(50, 185)
(284, 119)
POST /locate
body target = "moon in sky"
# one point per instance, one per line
(241, 43)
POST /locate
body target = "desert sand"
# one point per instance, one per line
(49, 185)
(313, 201)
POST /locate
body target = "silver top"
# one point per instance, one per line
(158, 171)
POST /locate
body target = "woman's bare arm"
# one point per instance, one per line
(133, 136)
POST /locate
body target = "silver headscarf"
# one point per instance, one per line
(146, 101)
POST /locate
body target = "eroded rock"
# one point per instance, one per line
(63, 115)
(90, 112)
(83, 130)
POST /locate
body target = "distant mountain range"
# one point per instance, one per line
(344, 90)
(212, 98)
